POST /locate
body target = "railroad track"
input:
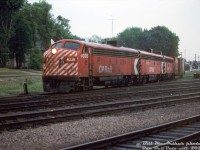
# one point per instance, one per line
(95, 98)
(44, 101)
(23, 119)
(103, 90)
(42, 109)
(174, 135)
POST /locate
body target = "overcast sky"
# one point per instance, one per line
(94, 17)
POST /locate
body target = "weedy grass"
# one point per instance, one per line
(14, 85)
(190, 75)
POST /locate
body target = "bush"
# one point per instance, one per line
(35, 59)
(187, 67)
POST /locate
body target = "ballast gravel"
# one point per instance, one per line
(61, 135)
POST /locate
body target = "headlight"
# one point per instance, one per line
(54, 51)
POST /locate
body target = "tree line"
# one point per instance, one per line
(158, 39)
(26, 30)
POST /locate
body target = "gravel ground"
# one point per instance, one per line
(57, 136)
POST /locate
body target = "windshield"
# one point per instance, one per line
(57, 45)
(72, 45)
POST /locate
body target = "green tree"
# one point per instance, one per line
(35, 59)
(43, 23)
(160, 38)
(96, 39)
(21, 41)
(187, 67)
(8, 8)
(29, 29)
(34, 27)
(77, 37)
(130, 37)
(61, 28)
(25, 26)
(45, 26)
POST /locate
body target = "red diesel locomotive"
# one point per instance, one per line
(78, 65)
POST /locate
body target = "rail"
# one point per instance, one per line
(60, 114)
(180, 132)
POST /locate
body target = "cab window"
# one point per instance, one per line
(57, 45)
(72, 45)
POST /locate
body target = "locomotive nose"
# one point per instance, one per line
(60, 62)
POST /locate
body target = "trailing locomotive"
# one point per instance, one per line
(78, 65)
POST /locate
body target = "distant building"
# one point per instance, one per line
(11, 63)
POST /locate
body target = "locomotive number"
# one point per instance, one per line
(105, 69)
(151, 69)
(84, 55)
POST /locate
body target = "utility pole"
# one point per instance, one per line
(195, 62)
(185, 54)
(112, 20)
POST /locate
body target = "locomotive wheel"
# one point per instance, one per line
(83, 86)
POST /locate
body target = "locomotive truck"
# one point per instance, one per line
(72, 65)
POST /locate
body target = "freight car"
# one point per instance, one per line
(78, 65)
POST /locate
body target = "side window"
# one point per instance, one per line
(85, 49)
